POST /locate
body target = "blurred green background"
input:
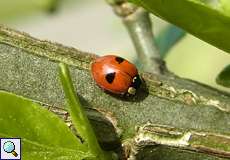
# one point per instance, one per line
(91, 25)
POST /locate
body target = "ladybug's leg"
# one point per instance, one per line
(132, 91)
(123, 94)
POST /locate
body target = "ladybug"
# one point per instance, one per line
(116, 75)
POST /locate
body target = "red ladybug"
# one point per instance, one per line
(115, 74)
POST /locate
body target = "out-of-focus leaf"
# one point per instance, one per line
(168, 38)
(224, 77)
(225, 4)
(16, 9)
(11, 9)
(198, 18)
(53, 6)
(19, 117)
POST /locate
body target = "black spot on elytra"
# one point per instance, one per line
(110, 77)
(119, 59)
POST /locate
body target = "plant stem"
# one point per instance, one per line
(138, 24)
(78, 115)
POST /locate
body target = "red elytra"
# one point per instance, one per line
(115, 74)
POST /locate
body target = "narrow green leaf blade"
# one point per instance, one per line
(78, 115)
(198, 18)
(224, 77)
(22, 118)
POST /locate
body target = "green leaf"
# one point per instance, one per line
(201, 19)
(10, 9)
(38, 128)
(224, 77)
(25, 119)
(35, 151)
(225, 4)
(78, 115)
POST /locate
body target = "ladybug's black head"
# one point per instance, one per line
(136, 83)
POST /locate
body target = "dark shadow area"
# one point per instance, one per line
(140, 95)
(161, 152)
(104, 129)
